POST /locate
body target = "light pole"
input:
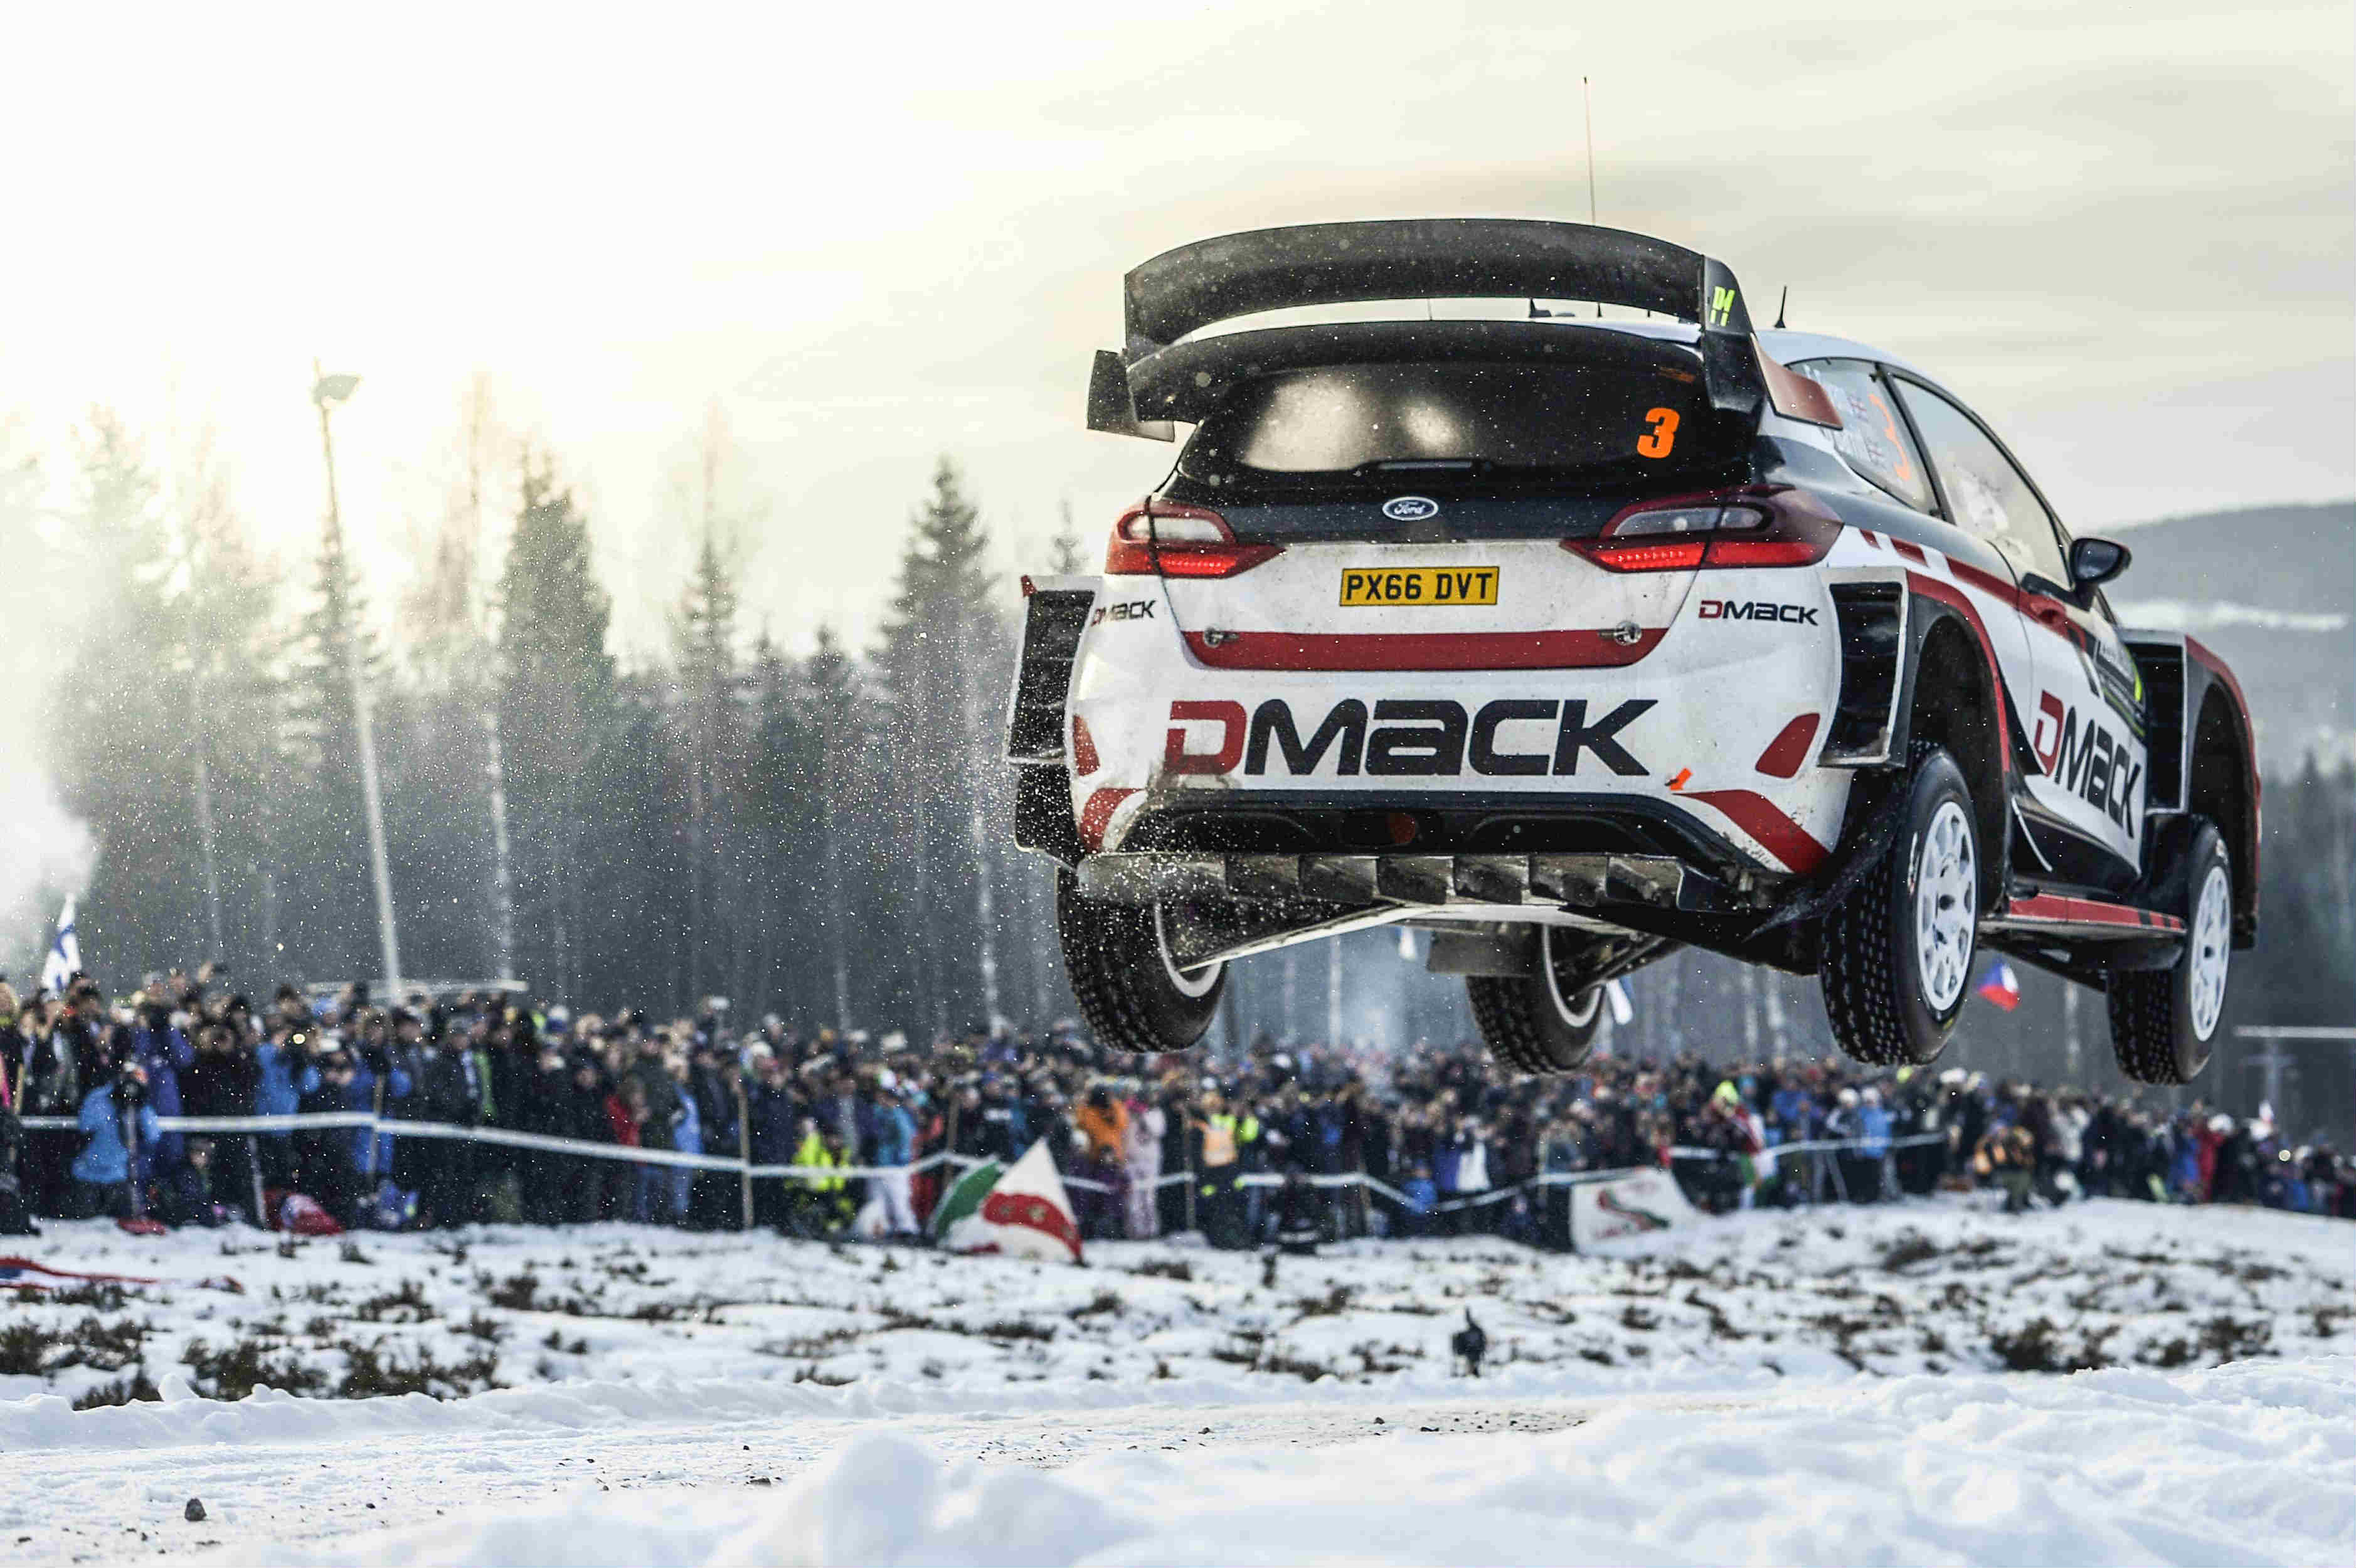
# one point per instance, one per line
(327, 391)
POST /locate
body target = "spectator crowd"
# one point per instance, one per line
(1233, 1148)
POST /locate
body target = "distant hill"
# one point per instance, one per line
(2272, 590)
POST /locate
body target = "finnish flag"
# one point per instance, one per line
(64, 961)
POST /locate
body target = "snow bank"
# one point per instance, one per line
(2248, 1463)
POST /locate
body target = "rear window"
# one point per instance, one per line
(1562, 422)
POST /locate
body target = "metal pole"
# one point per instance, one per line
(1332, 990)
(744, 1150)
(372, 791)
(502, 873)
(205, 835)
(1188, 1135)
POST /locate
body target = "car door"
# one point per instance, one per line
(2084, 712)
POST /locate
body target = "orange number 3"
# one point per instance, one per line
(1665, 433)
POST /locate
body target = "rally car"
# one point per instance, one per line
(1576, 641)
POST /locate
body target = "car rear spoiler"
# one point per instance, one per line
(1195, 286)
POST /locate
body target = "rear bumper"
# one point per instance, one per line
(1714, 748)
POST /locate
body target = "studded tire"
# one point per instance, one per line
(2161, 1022)
(1873, 968)
(1527, 1023)
(1132, 995)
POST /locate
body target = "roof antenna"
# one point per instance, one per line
(1586, 93)
(1780, 304)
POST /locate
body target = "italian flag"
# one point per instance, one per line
(1019, 1210)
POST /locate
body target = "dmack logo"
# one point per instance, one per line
(1401, 737)
(1757, 610)
(2084, 759)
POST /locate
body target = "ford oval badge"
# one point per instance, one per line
(1410, 509)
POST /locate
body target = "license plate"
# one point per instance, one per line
(1419, 585)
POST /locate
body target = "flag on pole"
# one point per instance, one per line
(64, 961)
(2001, 985)
(1026, 1213)
(964, 1197)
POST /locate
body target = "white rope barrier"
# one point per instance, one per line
(505, 1138)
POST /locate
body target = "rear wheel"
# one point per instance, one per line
(1130, 989)
(1537, 1022)
(1897, 951)
(2163, 1019)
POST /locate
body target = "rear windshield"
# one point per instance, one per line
(1569, 425)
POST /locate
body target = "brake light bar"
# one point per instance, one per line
(1166, 539)
(1759, 526)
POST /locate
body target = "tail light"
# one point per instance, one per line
(1763, 525)
(1164, 539)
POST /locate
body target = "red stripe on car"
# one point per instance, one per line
(1760, 817)
(1097, 815)
(2059, 907)
(1789, 749)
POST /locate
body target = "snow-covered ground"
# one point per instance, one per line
(1831, 1386)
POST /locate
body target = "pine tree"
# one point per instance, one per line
(558, 711)
(943, 663)
(710, 747)
(242, 788)
(329, 925)
(837, 726)
(123, 742)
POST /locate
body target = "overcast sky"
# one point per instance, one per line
(879, 233)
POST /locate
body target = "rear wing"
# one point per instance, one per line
(1211, 281)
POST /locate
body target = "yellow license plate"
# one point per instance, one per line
(1419, 585)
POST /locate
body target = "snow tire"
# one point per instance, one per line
(1526, 1022)
(2157, 1017)
(1877, 992)
(1132, 995)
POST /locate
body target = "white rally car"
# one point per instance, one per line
(1575, 642)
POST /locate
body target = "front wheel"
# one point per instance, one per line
(1541, 1022)
(2163, 1019)
(1130, 988)
(1897, 951)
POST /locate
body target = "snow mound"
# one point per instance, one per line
(2253, 1463)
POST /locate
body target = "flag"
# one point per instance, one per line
(2001, 985)
(1024, 1213)
(65, 955)
(964, 1196)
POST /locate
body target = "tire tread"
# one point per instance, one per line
(1864, 992)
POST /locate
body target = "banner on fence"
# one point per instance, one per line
(1632, 1205)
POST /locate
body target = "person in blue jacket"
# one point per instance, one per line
(288, 1073)
(102, 1170)
(164, 1051)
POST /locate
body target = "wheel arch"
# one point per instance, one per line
(2222, 785)
(1953, 699)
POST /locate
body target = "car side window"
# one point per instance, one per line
(1872, 439)
(1986, 494)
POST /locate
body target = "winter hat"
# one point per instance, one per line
(1847, 1099)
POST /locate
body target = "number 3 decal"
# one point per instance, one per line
(1665, 433)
